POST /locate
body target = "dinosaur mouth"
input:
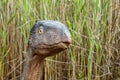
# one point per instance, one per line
(60, 45)
(66, 43)
(49, 50)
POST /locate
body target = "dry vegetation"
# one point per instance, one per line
(95, 28)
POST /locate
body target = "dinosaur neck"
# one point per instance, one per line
(33, 67)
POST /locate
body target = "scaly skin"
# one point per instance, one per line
(47, 38)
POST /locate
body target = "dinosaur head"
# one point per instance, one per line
(49, 37)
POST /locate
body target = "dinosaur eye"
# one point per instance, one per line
(40, 31)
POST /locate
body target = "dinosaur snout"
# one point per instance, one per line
(67, 41)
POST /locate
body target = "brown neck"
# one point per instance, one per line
(33, 67)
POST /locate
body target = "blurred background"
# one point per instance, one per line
(95, 28)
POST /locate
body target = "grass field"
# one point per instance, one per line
(95, 28)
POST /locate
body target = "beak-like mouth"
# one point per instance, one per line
(67, 42)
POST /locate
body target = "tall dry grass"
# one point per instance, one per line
(95, 28)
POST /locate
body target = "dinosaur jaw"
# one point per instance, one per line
(49, 50)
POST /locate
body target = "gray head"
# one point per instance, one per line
(49, 37)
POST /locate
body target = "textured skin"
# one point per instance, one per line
(47, 38)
